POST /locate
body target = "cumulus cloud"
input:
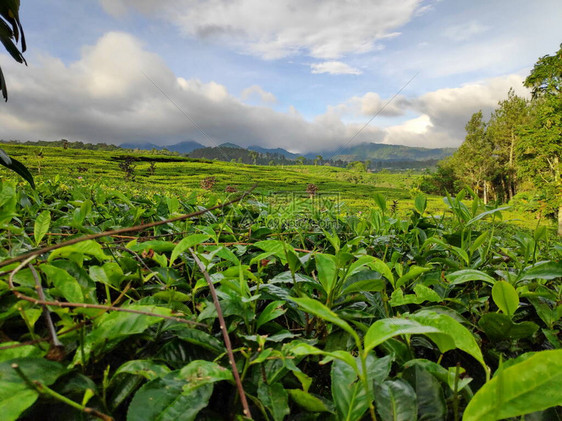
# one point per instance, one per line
(257, 92)
(334, 68)
(445, 112)
(328, 29)
(120, 92)
(371, 103)
(450, 109)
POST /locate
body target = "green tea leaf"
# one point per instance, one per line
(542, 270)
(498, 327)
(41, 226)
(384, 270)
(186, 243)
(456, 335)
(385, 329)
(112, 328)
(65, 283)
(365, 285)
(380, 201)
(15, 394)
(431, 402)
(327, 274)
(420, 203)
(529, 386)
(271, 312)
(505, 297)
(466, 275)
(396, 401)
(318, 309)
(348, 393)
(88, 247)
(275, 398)
(309, 402)
(414, 272)
(146, 368)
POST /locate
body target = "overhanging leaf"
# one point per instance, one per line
(529, 386)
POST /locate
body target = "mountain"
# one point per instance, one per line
(382, 152)
(279, 151)
(230, 145)
(144, 146)
(181, 147)
(186, 146)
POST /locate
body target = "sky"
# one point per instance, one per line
(304, 75)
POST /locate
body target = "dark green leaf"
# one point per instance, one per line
(396, 401)
(499, 327)
(275, 398)
(309, 402)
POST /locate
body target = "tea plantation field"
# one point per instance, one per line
(156, 299)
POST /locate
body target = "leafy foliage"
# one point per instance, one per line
(372, 316)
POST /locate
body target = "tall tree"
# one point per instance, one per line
(473, 161)
(503, 130)
(540, 148)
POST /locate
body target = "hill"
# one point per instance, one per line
(182, 147)
(382, 152)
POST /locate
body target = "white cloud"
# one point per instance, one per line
(445, 112)
(371, 103)
(108, 96)
(258, 92)
(334, 68)
(105, 97)
(326, 29)
(464, 31)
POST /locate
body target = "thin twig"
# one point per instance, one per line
(52, 331)
(35, 301)
(71, 329)
(227, 342)
(121, 231)
(45, 390)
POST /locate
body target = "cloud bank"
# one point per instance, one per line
(120, 92)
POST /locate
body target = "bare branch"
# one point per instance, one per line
(227, 342)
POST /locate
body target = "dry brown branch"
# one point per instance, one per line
(226, 338)
(35, 301)
(52, 332)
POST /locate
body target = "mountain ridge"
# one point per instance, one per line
(361, 152)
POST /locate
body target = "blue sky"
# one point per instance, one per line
(305, 75)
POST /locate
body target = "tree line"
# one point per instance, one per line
(517, 151)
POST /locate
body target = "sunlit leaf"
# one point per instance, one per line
(532, 385)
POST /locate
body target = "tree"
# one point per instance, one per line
(473, 161)
(11, 32)
(504, 133)
(358, 166)
(254, 157)
(318, 159)
(300, 160)
(540, 149)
